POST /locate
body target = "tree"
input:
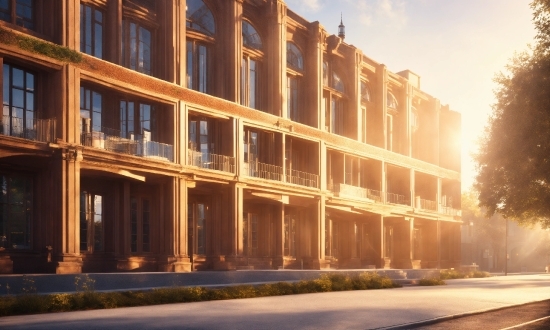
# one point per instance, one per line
(514, 158)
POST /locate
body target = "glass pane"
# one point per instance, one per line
(6, 83)
(144, 51)
(252, 85)
(5, 11)
(98, 223)
(18, 78)
(294, 57)
(251, 38)
(133, 46)
(30, 101)
(30, 81)
(17, 98)
(202, 69)
(98, 40)
(189, 60)
(200, 18)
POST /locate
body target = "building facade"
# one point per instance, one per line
(181, 135)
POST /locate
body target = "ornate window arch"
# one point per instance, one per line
(294, 57)
(391, 101)
(251, 67)
(365, 92)
(202, 27)
(251, 37)
(200, 18)
(337, 82)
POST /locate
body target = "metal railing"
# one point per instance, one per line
(42, 130)
(375, 195)
(111, 140)
(302, 178)
(449, 211)
(263, 171)
(396, 199)
(426, 204)
(356, 192)
(210, 161)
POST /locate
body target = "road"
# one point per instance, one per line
(371, 309)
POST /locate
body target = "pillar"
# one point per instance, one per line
(276, 58)
(67, 247)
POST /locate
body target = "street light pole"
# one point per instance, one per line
(506, 250)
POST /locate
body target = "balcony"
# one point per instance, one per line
(42, 130)
(211, 161)
(263, 171)
(426, 204)
(302, 178)
(111, 140)
(396, 199)
(349, 191)
(447, 210)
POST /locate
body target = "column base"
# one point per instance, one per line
(69, 265)
(6, 264)
(221, 263)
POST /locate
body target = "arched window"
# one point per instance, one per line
(200, 18)
(392, 101)
(294, 58)
(295, 61)
(251, 38)
(365, 92)
(251, 67)
(337, 82)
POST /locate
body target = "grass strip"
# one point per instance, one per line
(87, 299)
(451, 274)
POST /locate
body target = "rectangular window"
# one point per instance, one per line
(19, 12)
(91, 222)
(19, 103)
(197, 220)
(249, 83)
(136, 47)
(91, 31)
(389, 132)
(289, 236)
(293, 93)
(250, 234)
(140, 225)
(91, 105)
(136, 119)
(16, 201)
(364, 124)
(197, 67)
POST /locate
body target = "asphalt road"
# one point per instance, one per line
(517, 317)
(369, 309)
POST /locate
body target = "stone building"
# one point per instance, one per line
(176, 135)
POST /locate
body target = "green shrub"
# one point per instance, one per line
(86, 297)
(451, 274)
(431, 282)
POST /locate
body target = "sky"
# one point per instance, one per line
(456, 47)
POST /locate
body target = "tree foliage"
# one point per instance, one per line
(514, 158)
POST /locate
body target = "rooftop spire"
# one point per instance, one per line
(341, 28)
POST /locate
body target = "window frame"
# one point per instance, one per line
(93, 33)
(126, 46)
(15, 19)
(252, 98)
(143, 227)
(90, 230)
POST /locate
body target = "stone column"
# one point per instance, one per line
(313, 81)
(230, 54)
(67, 245)
(276, 58)
(237, 219)
(70, 24)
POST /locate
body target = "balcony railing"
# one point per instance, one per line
(263, 171)
(396, 199)
(426, 204)
(346, 190)
(42, 130)
(302, 178)
(111, 140)
(449, 211)
(211, 161)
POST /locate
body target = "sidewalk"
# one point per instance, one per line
(367, 309)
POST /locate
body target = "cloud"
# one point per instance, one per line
(381, 12)
(313, 5)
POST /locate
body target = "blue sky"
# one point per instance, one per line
(456, 47)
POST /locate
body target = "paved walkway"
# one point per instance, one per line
(371, 309)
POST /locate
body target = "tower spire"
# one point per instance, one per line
(341, 28)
